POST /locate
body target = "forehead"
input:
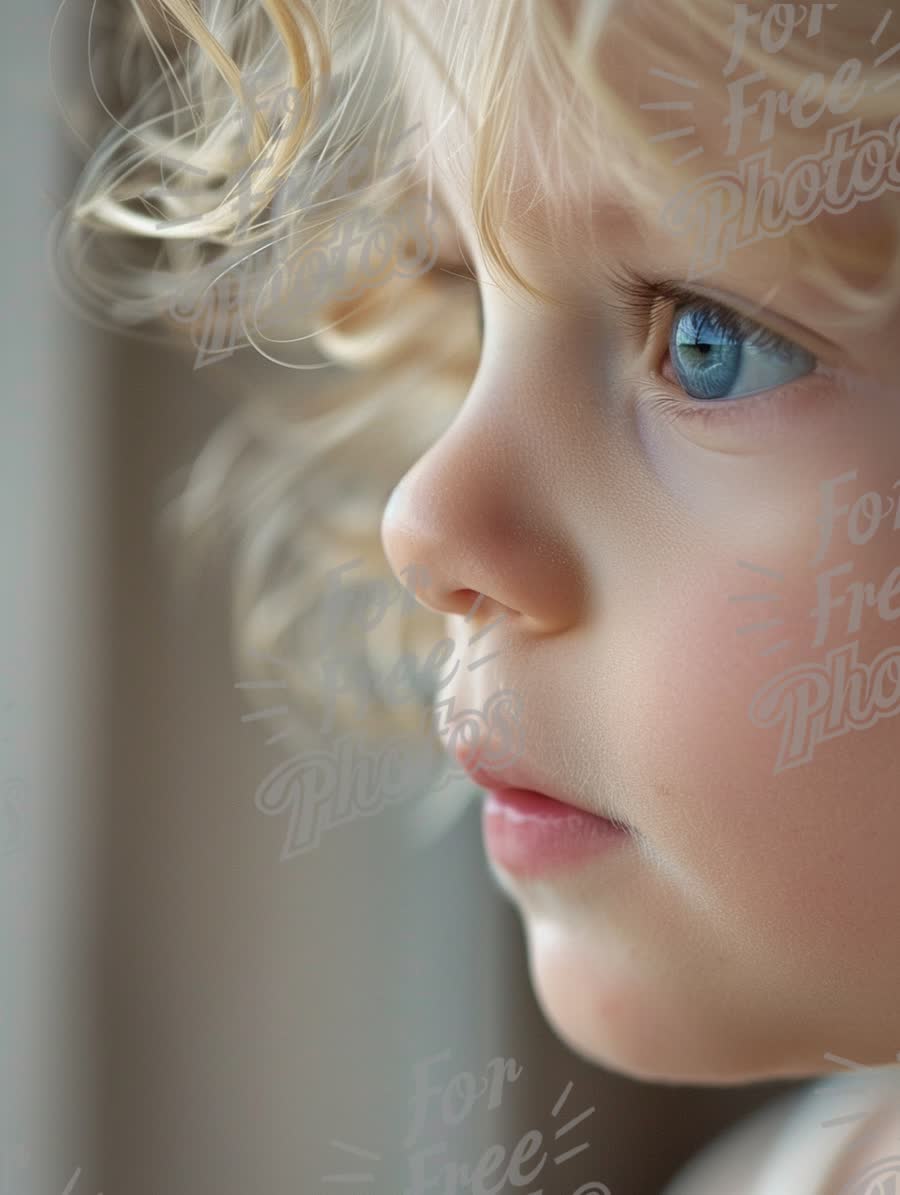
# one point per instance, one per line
(578, 210)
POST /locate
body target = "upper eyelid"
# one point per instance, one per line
(631, 288)
(786, 329)
(826, 352)
(677, 298)
(732, 318)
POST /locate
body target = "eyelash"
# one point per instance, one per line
(646, 305)
(643, 305)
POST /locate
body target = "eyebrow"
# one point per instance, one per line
(630, 224)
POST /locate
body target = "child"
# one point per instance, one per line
(666, 478)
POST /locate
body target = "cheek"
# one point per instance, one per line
(792, 862)
(711, 698)
(703, 773)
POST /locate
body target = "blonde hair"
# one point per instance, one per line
(303, 487)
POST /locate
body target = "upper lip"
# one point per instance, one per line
(517, 777)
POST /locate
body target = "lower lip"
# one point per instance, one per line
(529, 834)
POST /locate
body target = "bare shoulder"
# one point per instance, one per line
(732, 1162)
(840, 1136)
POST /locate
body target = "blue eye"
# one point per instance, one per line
(717, 354)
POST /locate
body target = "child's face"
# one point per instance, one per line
(747, 926)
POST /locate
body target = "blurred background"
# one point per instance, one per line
(182, 1011)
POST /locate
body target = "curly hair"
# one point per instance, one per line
(200, 178)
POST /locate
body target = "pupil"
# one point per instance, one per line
(707, 362)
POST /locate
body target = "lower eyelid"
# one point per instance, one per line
(818, 369)
(762, 404)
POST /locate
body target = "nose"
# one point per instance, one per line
(479, 515)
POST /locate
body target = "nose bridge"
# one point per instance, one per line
(478, 513)
(456, 500)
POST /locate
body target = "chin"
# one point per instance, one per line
(611, 1013)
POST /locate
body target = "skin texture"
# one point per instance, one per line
(748, 926)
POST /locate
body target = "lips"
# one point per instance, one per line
(511, 777)
(532, 830)
(517, 777)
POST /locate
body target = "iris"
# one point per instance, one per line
(718, 354)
